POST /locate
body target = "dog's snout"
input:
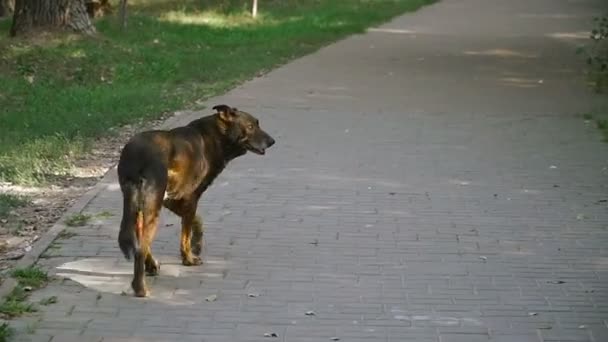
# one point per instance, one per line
(270, 141)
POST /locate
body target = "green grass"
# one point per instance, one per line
(15, 304)
(600, 118)
(6, 332)
(78, 220)
(59, 91)
(30, 276)
(48, 301)
(9, 202)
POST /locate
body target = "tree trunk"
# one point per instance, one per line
(123, 14)
(64, 14)
(254, 8)
(6, 7)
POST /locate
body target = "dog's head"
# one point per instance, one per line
(243, 129)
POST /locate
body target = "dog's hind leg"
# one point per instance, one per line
(146, 230)
(198, 229)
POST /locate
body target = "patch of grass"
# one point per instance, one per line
(30, 328)
(78, 220)
(66, 234)
(104, 214)
(6, 332)
(600, 117)
(59, 91)
(15, 304)
(9, 202)
(30, 276)
(49, 301)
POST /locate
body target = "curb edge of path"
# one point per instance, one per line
(43, 243)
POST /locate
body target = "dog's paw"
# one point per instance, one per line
(152, 268)
(192, 261)
(140, 290)
(197, 246)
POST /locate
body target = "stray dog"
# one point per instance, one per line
(172, 168)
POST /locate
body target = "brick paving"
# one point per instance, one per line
(431, 182)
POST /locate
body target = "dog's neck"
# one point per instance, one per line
(223, 148)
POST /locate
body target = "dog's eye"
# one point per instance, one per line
(250, 127)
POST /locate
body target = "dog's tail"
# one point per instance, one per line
(132, 224)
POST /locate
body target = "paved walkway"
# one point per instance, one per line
(431, 182)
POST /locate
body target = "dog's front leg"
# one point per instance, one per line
(191, 225)
(188, 259)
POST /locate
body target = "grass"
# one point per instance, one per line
(6, 332)
(78, 220)
(15, 304)
(600, 118)
(60, 91)
(9, 202)
(48, 301)
(28, 279)
(66, 234)
(30, 276)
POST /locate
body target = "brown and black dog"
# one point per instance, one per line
(172, 168)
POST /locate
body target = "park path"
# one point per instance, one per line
(432, 180)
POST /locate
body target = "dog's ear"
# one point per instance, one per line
(226, 112)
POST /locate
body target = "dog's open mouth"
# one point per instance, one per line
(256, 150)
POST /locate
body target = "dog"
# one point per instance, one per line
(172, 168)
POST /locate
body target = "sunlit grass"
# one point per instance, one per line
(214, 19)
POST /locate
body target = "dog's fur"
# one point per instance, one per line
(172, 168)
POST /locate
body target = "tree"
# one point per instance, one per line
(6, 7)
(63, 14)
(254, 8)
(123, 14)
